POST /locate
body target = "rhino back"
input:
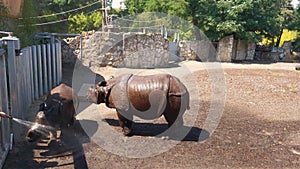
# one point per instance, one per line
(140, 89)
(69, 103)
(64, 91)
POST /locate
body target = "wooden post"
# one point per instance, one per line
(103, 15)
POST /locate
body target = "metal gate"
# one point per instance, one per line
(4, 123)
(25, 75)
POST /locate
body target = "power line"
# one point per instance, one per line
(57, 21)
(155, 20)
(49, 23)
(64, 12)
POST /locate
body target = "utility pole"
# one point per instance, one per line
(103, 9)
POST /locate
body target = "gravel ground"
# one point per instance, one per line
(258, 127)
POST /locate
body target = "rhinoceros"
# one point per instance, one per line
(147, 97)
(57, 112)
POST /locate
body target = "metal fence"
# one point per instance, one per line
(25, 75)
(4, 123)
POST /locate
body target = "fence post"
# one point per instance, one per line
(45, 70)
(54, 65)
(4, 123)
(26, 55)
(39, 68)
(30, 57)
(35, 75)
(13, 89)
(59, 62)
(49, 66)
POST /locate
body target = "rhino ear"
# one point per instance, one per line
(102, 83)
(42, 106)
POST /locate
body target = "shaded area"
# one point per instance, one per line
(154, 129)
(82, 75)
(259, 129)
(67, 151)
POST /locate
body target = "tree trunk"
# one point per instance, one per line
(279, 38)
(196, 29)
(104, 16)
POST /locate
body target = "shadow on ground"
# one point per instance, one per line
(54, 154)
(194, 134)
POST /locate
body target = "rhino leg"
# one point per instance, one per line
(52, 136)
(173, 118)
(125, 124)
(174, 112)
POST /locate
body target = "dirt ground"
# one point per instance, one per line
(259, 128)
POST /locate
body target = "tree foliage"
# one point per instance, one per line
(25, 27)
(74, 7)
(3, 20)
(81, 22)
(295, 25)
(246, 19)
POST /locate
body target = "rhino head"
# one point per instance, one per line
(98, 94)
(36, 131)
(47, 118)
(113, 92)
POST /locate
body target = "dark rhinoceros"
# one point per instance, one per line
(147, 97)
(56, 112)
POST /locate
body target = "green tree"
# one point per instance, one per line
(175, 7)
(246, 19)
(58, 12)
(285, 17)
(295, 25)
(135, 6)
(82, 22)
(25, 28)
(3, 20)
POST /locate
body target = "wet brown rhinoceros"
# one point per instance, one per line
(147, 97)
(57, 112)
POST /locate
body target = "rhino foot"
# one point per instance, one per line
(126, 131)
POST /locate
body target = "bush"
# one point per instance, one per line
(296, 44)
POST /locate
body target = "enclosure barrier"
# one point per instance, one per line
(4, 123)
(25, 75)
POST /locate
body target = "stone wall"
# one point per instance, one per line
(197, 50)
(287, 47)
(244, 51)
(149, 51)
(118, 50)
(145, 51)
(269, 53)
(230, 49)
(226, 48)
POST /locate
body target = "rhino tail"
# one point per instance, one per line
(177, 88)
